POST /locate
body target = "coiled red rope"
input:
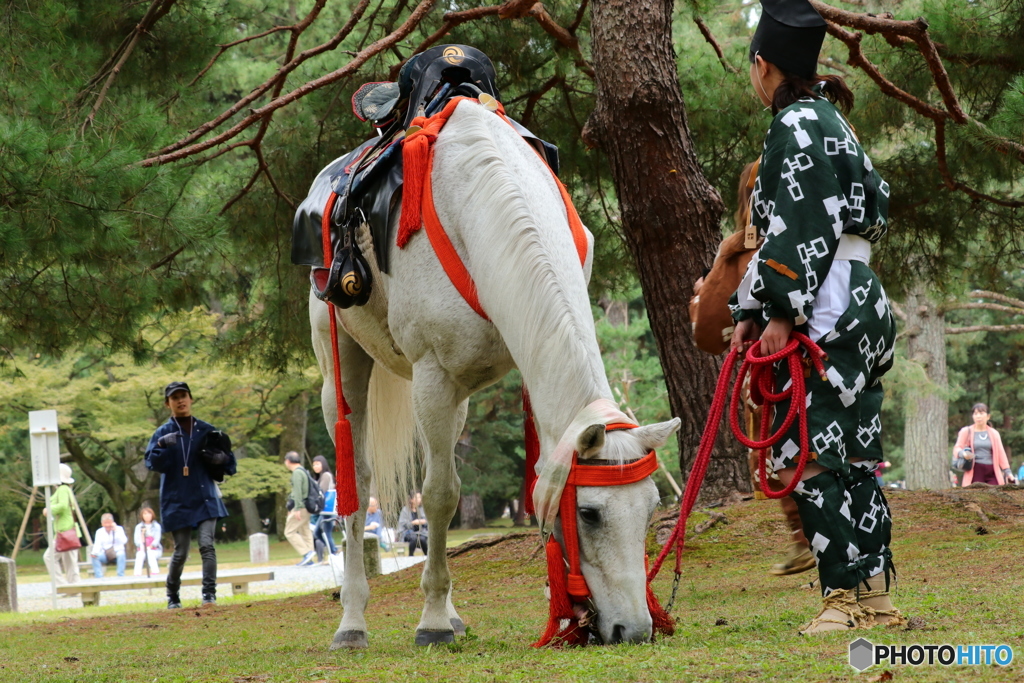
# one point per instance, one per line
(762, 390)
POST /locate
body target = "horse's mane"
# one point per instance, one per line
(534, 288)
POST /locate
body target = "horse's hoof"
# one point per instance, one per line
(459, 627)
(424, 637)
(349, 640)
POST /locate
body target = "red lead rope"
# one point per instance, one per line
(762, 385)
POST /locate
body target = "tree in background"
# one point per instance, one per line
(108, 406)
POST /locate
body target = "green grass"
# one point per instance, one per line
(966, 587)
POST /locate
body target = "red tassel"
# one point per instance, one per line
(559, 607)
(662, 622)
(345, 466)
(532, 443)
(415, 155)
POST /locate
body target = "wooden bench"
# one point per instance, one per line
(91, 589)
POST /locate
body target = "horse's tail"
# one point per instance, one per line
(390, 439)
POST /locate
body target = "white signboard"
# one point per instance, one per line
(42, 429)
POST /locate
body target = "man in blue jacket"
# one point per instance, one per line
(189, 498)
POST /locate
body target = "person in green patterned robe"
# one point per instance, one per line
(819, 205)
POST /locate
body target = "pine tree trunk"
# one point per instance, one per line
(925, 451)
(670, 213)
(471, 512)
(293, 438)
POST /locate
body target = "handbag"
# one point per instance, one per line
(67, 540)
(962, 464)
(111, 555)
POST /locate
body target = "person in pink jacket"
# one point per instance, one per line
(981, 446)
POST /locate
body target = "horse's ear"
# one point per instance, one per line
(590, 441)
(656, 435)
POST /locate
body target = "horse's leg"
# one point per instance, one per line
(440, 414)
(458, 625)
(355, 377)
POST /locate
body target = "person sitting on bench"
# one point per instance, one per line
(109, 546)
(412, 524)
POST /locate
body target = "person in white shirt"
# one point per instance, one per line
(108, 546)
(147, 542)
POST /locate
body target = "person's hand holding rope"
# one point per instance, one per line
(776, 335)
(746, 333)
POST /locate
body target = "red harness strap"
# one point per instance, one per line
(418, 202)
(344, 450)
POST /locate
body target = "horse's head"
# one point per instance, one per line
(612, 527)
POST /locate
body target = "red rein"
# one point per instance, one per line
(762, 385)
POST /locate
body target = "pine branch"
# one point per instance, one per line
(984, 294)
(451, 20)
(952, 183)
(984, 307)
(574, 26)
(857, 59)
(167, 259)
(916, 31)
(241, 193)
(899, 33)
(708, 36)
(296, 30)
(512, 9)
(535, 96)
(112, 67)
(563, 36)
(985, 328)
(185, 147)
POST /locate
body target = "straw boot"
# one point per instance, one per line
(876, 603)
(840, 611)
(799, 559)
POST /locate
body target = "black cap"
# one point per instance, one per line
(789, 35)
(175, 386)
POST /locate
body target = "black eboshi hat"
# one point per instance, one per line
(789, 35)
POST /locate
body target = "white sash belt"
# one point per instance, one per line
(853, 248)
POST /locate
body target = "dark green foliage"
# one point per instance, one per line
(491, 456)
(85, 235)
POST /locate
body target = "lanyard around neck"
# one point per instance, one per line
(186, 447)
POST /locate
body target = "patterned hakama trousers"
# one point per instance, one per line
(845, 515)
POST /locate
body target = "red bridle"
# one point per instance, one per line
(566, 583)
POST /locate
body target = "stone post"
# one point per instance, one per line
(259, 549)
(8, 585)
(371, 556)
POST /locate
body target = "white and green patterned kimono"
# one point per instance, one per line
(819, 204)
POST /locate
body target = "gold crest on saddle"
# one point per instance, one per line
(453, 54)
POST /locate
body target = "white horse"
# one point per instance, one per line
(414, 354)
